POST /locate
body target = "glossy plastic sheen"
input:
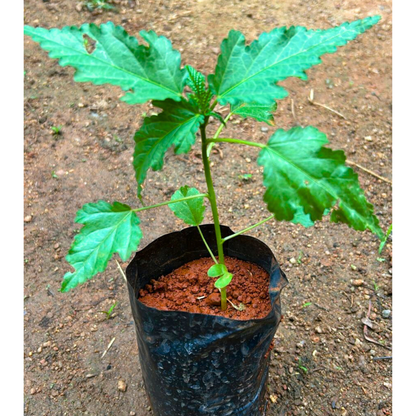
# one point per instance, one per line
(197, 364)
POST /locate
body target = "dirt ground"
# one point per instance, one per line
(322, 363)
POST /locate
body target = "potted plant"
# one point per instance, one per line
(208, 354)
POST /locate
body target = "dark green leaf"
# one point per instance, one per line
(217, 270)
(190, 211)
(107, 229)
(175, 126)
(304, 179)
(260, 112)
(249, 73)
(223, 281)
(151, 73)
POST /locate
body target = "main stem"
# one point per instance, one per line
(213, 201)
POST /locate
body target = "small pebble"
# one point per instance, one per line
(122, 386)
(301, 344)
(264, 129)
(318, 330)
(358, 282)
(28, 218)
(386, 313)
(293, 260)
(214, 299)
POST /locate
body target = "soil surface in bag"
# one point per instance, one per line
(190, 289)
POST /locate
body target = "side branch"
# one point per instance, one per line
(236, 141)
(170, 202)
(247, 229)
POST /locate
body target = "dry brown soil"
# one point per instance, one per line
(322, 363)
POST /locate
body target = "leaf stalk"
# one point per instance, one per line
(247, 229)
(236, 141)
(170, 202)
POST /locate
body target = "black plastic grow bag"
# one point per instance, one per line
(197, 364)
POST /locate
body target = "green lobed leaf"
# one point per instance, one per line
(190, 211)
(217, 270)
(249, 73)
(260, 112)
(175, 126)
(304, 179)
(223, 281)
(150, 72)
(107, 229)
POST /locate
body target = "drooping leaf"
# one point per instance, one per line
(175, 126)
(304, 179)
(190, 211)
(260, 112)
(216, 115)
(223, 281)
(217, 270)
(202, 95)
(107, 229)
(249, 73)
(150, 72)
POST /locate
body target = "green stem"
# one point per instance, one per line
(211, 191)
(170, 202)
(206, 245)
(237, 141)
(223, 299)
(217, 133)
(247, 229)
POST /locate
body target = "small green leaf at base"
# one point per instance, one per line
(190, 211)
(223, 281)
(107, 229)
(217, 270)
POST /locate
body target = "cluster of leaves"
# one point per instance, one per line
(304, 179)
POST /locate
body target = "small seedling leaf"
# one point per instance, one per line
(107, 229)
(175, 126)
(248, 73)
(384, 239)
(217, 270)
(150, 72)
(197, 83)
(190, 211)
(304, 180)
(223, 281)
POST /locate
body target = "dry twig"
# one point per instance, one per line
(121, 271)
(369, 171)
(312, 101)
(109, 346)
(366, 336)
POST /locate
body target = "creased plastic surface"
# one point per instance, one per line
(196, 364)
